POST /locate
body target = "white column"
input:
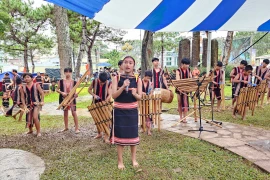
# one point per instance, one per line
(209, 51)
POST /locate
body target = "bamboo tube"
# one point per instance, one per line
(210, 122)
(263, 91)
(146, 112)
(150, 107)
(107, 112)
(183, 119)
(72, 91)
(74, 97)
(140, 112)
(154, 108)
(159, 112)
(95, 118)
(101, 119)
(104, 116)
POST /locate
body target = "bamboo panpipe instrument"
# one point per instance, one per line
(72, 91)
(101, 113)
(263, 90)
(66, 106)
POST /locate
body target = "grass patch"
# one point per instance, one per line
(165, 155)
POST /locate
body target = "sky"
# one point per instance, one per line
(134, 34)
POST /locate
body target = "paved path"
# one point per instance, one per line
(249, 142)
(18, 164)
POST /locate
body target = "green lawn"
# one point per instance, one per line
(164, 155)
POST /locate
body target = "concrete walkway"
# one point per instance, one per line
(19, 164)
(249, 142)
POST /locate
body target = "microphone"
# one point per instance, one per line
(127, 86)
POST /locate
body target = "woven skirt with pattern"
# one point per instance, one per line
(125, 127)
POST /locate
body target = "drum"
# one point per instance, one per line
(166, 96)
(101, 113)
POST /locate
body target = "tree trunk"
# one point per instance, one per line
(32, 60)
(227, 48)
(25, 58)
(162, 51)
(184, 50)
(195, 49)
(82, 48)
(63, 38)
(214, 52)
(204, 54)
(147, 51)
(89, 58)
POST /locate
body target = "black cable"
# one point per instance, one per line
(250, 46)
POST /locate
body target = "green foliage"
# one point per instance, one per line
(169, 41)
(228, 71)
(262, 47)
(4, 20)
(24, 30)
(113, 56)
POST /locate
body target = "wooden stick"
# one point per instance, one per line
(195, 107)
(183, 119)
(210, 122)
(72, 91)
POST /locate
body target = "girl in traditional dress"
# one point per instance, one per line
(126, 92)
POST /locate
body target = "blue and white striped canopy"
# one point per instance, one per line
(176, 15)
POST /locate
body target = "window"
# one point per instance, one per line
(168, 61)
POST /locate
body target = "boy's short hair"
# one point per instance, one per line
(185, 61)
(266, 61)
(14, 70)
(27, 74)
(155, 59)
(244, 62)
(103, 76)
(248, 68)
(68, 69)
(219, 64)
(148, 73)
(7, 74)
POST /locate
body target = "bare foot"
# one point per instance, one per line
(135, 164)
(121, 166)
(77, 131)
(98, 136)
(29, 132)
(149, 133)
(66, 129)
(107, 141)
(39, 135)
(233, 116)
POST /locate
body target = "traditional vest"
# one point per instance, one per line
(46, 80)
(147, 88)
(31, 94)
(260, 73)
(5, 102)
(6, 80)
(101, 90)
(217, 78)
(38, 79)
(63, 88)
(157, 78)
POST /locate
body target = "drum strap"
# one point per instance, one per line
(106, 89)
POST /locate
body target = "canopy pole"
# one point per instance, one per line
(209, 51)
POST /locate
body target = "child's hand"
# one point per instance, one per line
(64, 94)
